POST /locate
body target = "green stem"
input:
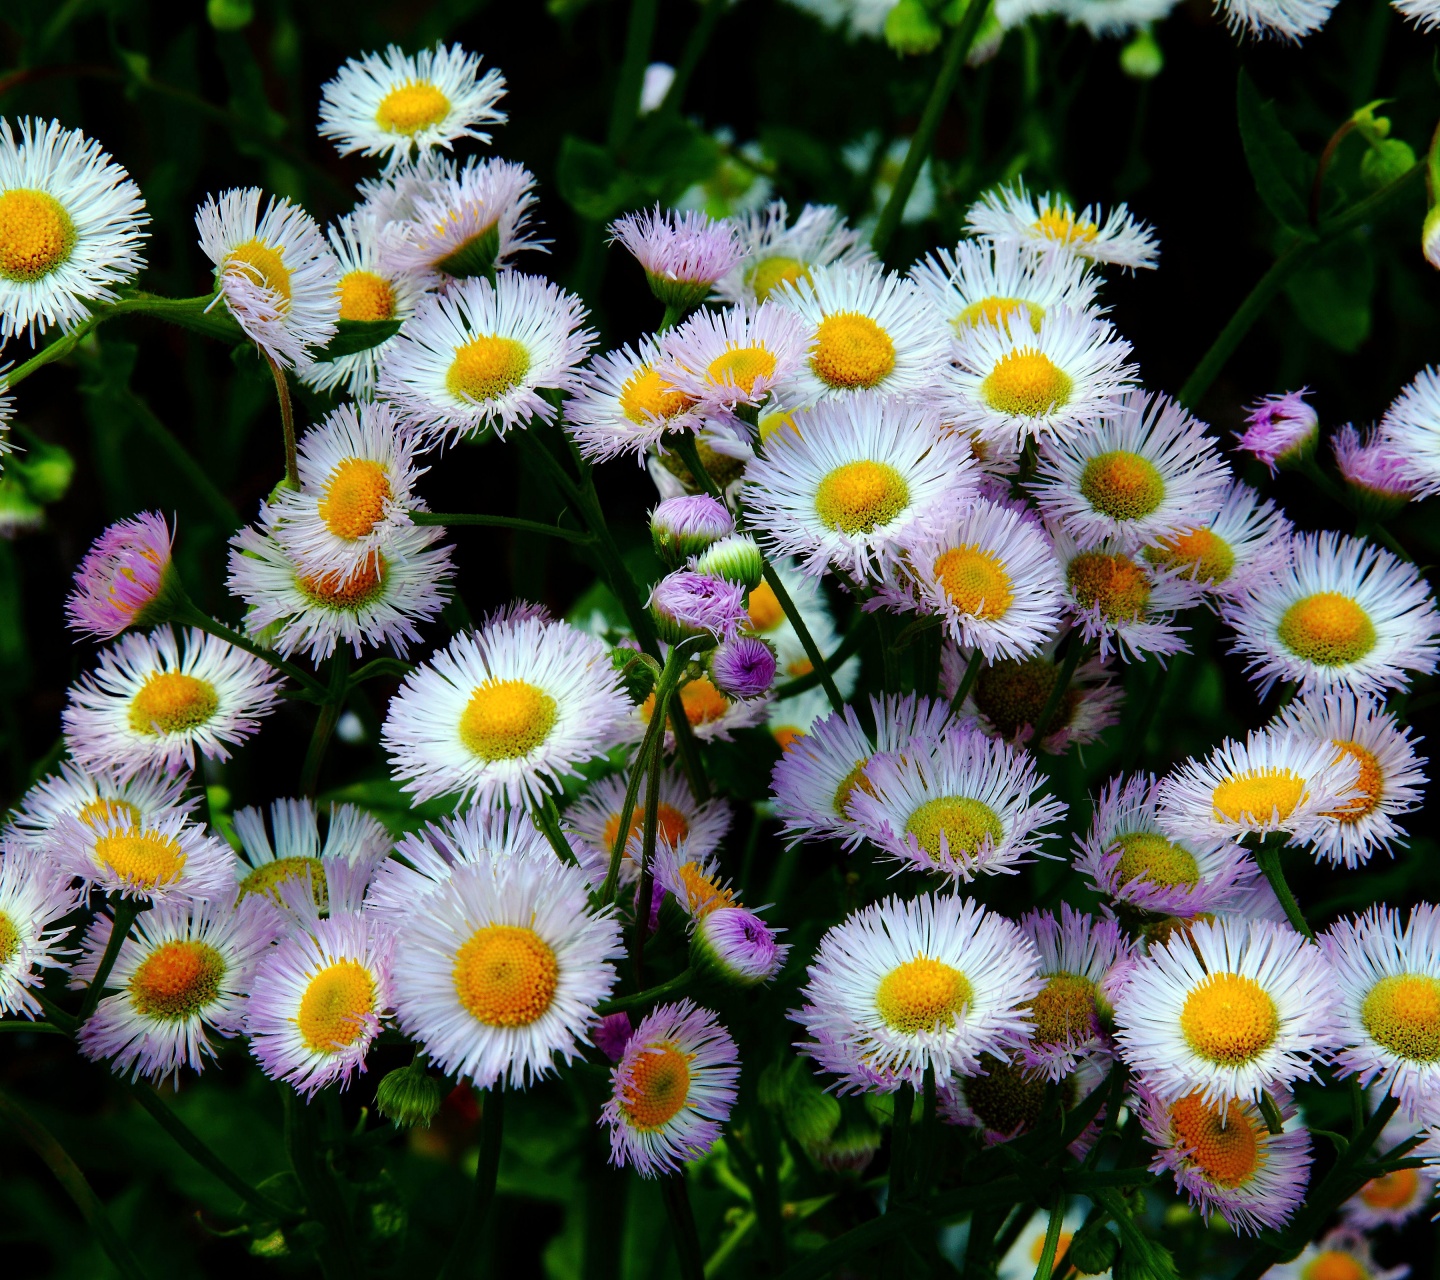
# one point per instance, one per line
(929, 1135)
(807, 641)
(837, 659)
(904, 1099)
(682, 1226)
(1140, 725)
(460, 1260)
(189, 614)
(695, 43)
(1062, 683)
(336, 1258)
(326, 721)
(67, 1173)
(287, 417)
(967, 682)
(626, 107)
(123, 913)
(35, 1028)
(1052, 1239)
(547, 818)
(649, 996)
(924, 137)
(1267, 858)
(449, 518)
(647, 839)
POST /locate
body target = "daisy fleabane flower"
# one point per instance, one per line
(724, 360)
(352, 837)
(91, 797)
(1014, 214)
(503, 970)
(1283, 19)
(1341, 1252)
(683, 254)
(1392, 1198)
(393, 104)
(778, 254)
(317, 999)
(158, 699)
(274, 271)
(1411, 427)
(124, 578)
(900, 988)
(623, 404)
(508, 710)
(1004, 283)
(35, 899)
(1280, 429)
(672, 1090)
(183, 974)
(1227, 1009)
(71, 227)
(154, 859)
(1380, 478)
(736, 946)
(1006, 1098)
(479, 356)
(1339, 612)
(1248, 534)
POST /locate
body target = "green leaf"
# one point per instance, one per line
(590, 181)
(358, 335)
(1332, 293)
(1282, 171)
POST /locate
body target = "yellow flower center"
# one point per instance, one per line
(408, 108)
(851, 351)
(658, 1088)
(670, 825)
(965, 823)
(1062, 1247)
(1391, 1190)
(1334, 1264)
(1229, 1019)
(9, 939)
(646, 396)
(36, 235)
(1012, 694)
(264, 266)
(366, 296)
(336, 591)
(976, 581)
(1327, 629)
(1027, 384)
(1114, 584)
(1064, 1010)
(1059, 224)
(172, 702)
(1369, 786)
(1008, 1096)
(335, 1005)
(845, 792)
(859, 497)
(764, 609)
(487, 367)
(771, 423)
(742, 367)
(1224, 1143)
(701, 892)
(701, 700)
(146, 859)
(269, 876)
(997, 312)
(355, 497)
(770, 273)
(1202, 553)
(1149, 856)
(1258, 795)
(922, 995)
(786, 735)
(506, 719)
(177, 980)
(104, 811)
(1402, 1014)
(1122, 485)
(506, 975)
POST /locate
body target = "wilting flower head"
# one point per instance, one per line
(124, 579)
(685, 604)
(1280, 430)
(683, 254)
(736, 946)
(743, 667)
(683, 527)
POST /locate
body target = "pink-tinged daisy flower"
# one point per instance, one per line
(296, 853)
(478, 356)
(1006, 1097)
(722, 360)
(154, 859)
(672, 1091)
(1280, 430)
(695, 882)
(815, 782)
(867, 471)
(1146, 472)
(984, 282)
(1128, 857)
(182, 975)
(317, 999)
(1411, 426)
(777, 254)
(1010, 694)
(1340, 612)
(687, 606)
(503, 970)
(156, 700)
(1343, 1252)
(737, 947)
(71, 227)
(508, 710)
(622, 404)
(1083, 960)
(902, 987)
(93, 797)
(125, 579)
(683, 254)
(1225, 1159)
(393, 105)
(1394, 1198)
(392, 197)
(1248, 535)
(1224, 1010)
(1392, 776)
(1012, 214)
(1380, 477)
(963, 805)
(35, 898)
(274, 271)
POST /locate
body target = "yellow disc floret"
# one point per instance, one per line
(859, 497)
(764, 609)
(965, 823)
(1224, 1142)
(1229, 1019)
(364, 585)
(408, 108)
(105, 811)
(507, 719)
(852, 352)
(261, 265)
(1258, 795)
(1391, 1190)
(1328, 629)
(742, 367)
(976, 581)
(1369, 786)
(1026, 383)
(671, 825)
(36, 235)
(486, 368)
(1008, 1097)
(144, 859)
(366, 296)
(354, 499)
(269, 876)
(1060, 224)
(999, 312)
(657, 1088)
(922, 995)
(646, 396)
(1113, 584)
(770, 273)
(845, 792)
(701, 892)
(1064, 1010)
(336, 1006)
(1122, 485)
(1200, 553)
(1334, 1264)
(702, 702)
(9, 939)
(1402, 1014)
(506, 975)
(1149, 856)
(177, 980)
(1012, 693)
(172, 702)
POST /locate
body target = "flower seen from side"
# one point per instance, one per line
(126, 578)
(1013, 214)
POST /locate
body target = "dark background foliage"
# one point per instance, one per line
(162, 419)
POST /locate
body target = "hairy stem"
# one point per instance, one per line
(287, 418)
(123, 913)
(460, 1260)
(1267, 858)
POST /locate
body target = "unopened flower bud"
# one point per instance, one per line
(1141, 58)
(126, 579)
(910, 29)
(612, 1033)
(850, 1149)
(736, 947)
(409, 1096)
(743, 667)
(684, 527)
(1384, 161)
(1378, 476)
(736, 559)
(637, 671)
(1282, 430)
(686, 605)
(683, 254)
(44, 469)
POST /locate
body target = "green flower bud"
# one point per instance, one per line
(45, 470)
(736, 559)
(910, 28)
(637, 672)
(409, 1096)
(1430, 238)
(1141, 58)
(850, 1148)
(1384, 161)
(230, 15)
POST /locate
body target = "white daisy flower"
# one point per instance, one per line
(1340, 612)
(317, 999)
(371, 287)
(478, 356)
(1343, 1252)
(1411, 426)
(163, 857)
(274, 271)
(1008, 384)
(1023, 1257)
(503, 970)
(390, 104)
(182, 974)
(869, 331)
(722, 360)
(867, 471)
(393, 196)
(1226, 1010)
(1284, 19)
(1145, 473)
(1394, 1198)
(156, 700)
(509, 710)
(622, 404)
(966, 806)
(1013, 214)
(982, 282)
(1248, 535)
(353, 838)
(902, 987)
(1110, 18)
(35, 898)
(71, 227)
(777, 254)
(988, 573)
(1424, 15)
(92, 797)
